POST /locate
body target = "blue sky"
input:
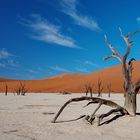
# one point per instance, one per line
(43, 38)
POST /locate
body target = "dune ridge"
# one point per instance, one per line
(75, 82)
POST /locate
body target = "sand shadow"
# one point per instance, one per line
(10, 131)
(48, 113)
(112, 119)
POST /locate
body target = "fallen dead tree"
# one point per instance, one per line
(131, 89)
(94, 100)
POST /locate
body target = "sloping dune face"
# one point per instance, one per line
(75, 82)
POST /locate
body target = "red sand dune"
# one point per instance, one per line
(75, 82)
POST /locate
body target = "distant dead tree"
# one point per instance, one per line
(21, 89)
(65, 92)
(17, 90)
(89, 89)
(131, 89)
(109, 88)
(24, 90)
(99, 87)
(6, 89)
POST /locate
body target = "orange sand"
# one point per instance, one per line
(75, 82)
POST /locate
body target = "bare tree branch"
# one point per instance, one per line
(21, 89)
(129, 43)
(111, 56)
(128, 37)
(115, 53)
(110, 46)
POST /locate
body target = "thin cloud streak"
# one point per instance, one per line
(4, 54)
(8, 64)
(91, 63)
(6, 60)
(57, 68)
(82, 70)
(69, 8)
(47, 32)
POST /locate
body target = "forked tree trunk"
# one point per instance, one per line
(131, 89)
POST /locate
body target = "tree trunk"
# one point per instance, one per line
(130, 102)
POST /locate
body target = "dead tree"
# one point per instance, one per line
(99, 87)
(88, 89)
(6, 89)
(64, 92)
(17, 90)
(21, 89)
(131, 89)
(109, 88)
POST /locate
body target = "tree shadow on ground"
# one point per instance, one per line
(111, 120)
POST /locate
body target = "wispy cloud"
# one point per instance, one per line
(57, 68)
(91, 63)
(81, 69)
(4, 54)
(8, 64)
(69, 7)
(6, 60)
(12, 63)
(32, 71)
(45, 31)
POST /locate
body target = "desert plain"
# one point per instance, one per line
(29, 118)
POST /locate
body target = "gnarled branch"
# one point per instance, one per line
(93, 99)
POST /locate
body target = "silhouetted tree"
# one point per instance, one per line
(21, 89)
(89, 89)
(6, 89)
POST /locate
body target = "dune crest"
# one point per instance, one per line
(76, 82)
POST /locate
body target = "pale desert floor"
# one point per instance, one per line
(29, 118)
